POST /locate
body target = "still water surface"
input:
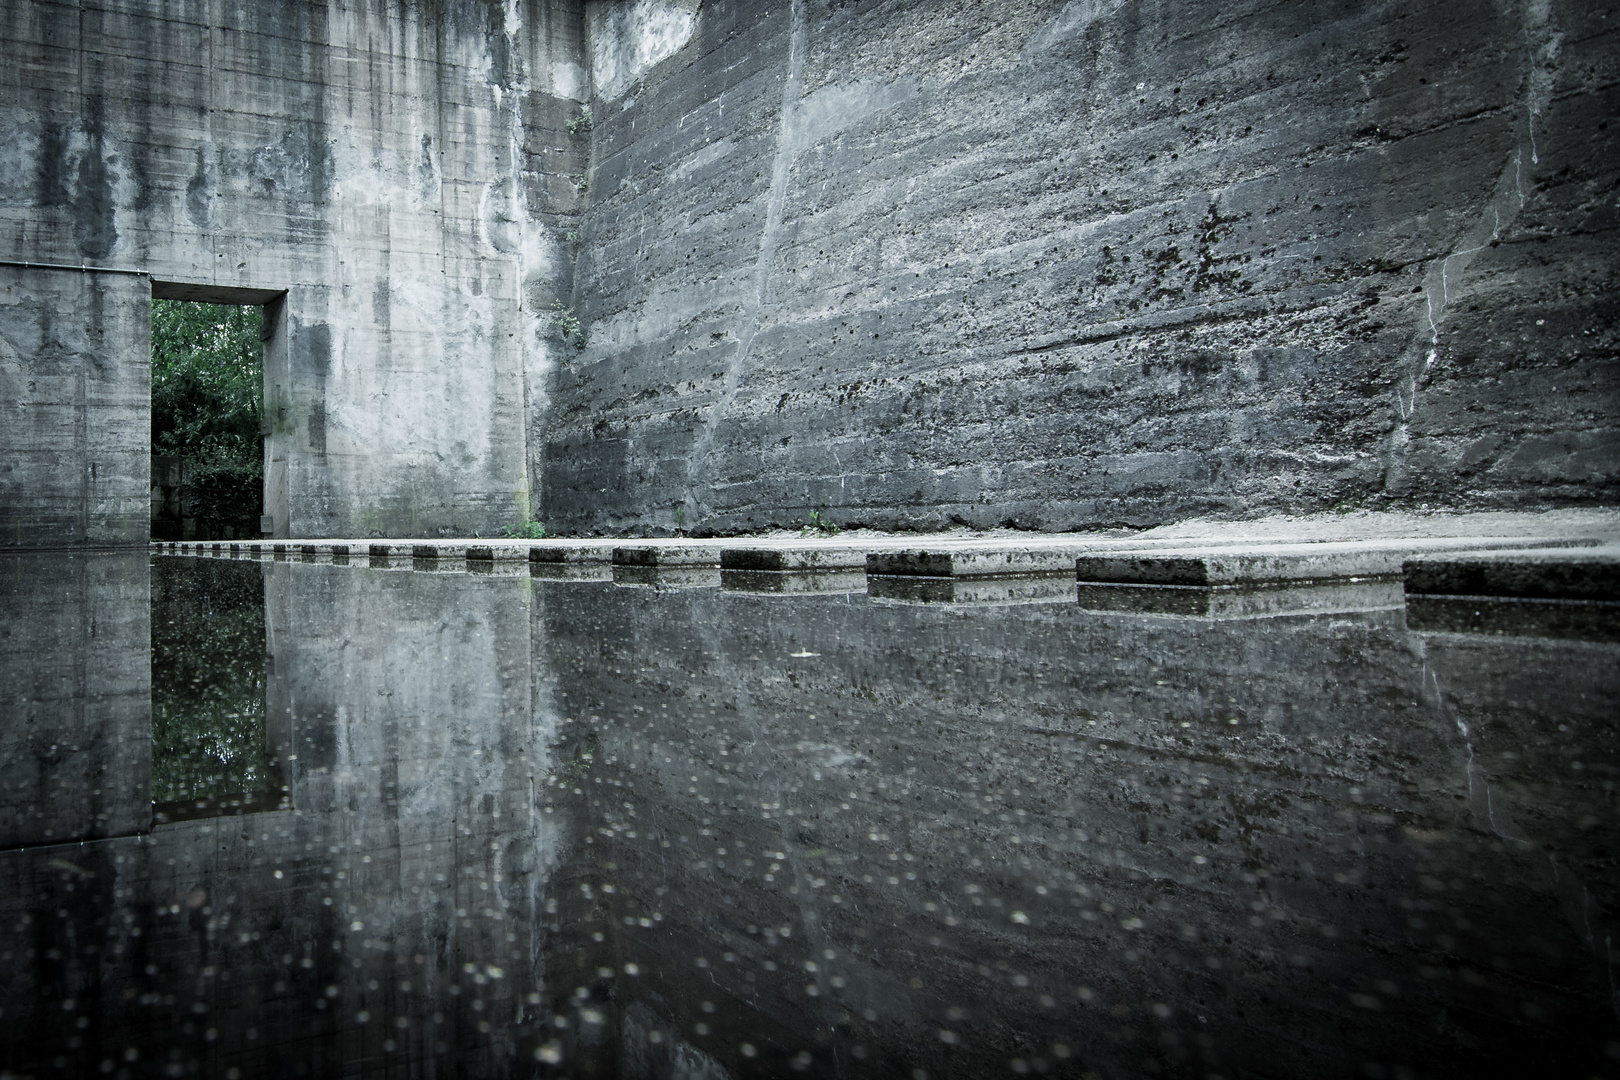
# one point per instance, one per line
(281, 819)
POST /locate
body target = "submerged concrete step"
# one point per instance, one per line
(1271, 564)
(593, 570)
(792, 582)
(1591, 574)
(666, 578)
(974, 561)
(1579, 620)
(667, 555)
(792, 559)
(1216, 604)
(980, 591)
(476, 550)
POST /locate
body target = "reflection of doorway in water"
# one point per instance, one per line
(211, 751)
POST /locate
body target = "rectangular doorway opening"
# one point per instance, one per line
(208, 460)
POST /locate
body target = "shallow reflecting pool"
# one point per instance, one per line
(292, 819)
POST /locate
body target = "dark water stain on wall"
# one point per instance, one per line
(199, 193)
(93, 203)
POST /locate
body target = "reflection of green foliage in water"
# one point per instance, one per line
(208, 729)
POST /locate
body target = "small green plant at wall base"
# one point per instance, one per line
(564, 319)
(819, 526)
(582, 122)
(525, 530)
(582, 184)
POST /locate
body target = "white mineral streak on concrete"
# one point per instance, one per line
(704, 157)
(831, 109)
(567, 80)
(661, 312)
(629, 39)
(805, 121)
(538, 254)
(19, 130)
(1075, 18)
(698, 466)
(1443, 278)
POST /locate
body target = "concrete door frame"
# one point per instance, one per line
(273, 334)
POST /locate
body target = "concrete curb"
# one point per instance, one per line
(1568, 568)
(1591, 575)
(1270, 564)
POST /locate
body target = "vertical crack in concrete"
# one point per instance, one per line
(81, 441)
(1506, 201)
(699, 459)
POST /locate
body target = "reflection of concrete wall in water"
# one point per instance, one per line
(390, 916)
(75, 745)
(815, 830)
(954, 837)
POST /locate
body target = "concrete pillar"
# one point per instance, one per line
(277, 398)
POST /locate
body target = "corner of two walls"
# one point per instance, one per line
(1053, 265)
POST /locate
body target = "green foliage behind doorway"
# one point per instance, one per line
(207, 401)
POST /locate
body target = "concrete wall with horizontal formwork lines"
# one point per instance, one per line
(388, 168)
(1064, 265)
(1055, 265)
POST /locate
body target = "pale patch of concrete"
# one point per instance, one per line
(629, 39)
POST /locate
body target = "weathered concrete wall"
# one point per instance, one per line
(1100, 262)
(1051, 264)
(399, 171)
(76, 384)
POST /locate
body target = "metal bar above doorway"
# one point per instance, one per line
(69, 266)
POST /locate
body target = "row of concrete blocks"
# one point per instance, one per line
(1584, 571)
(1558, 589)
